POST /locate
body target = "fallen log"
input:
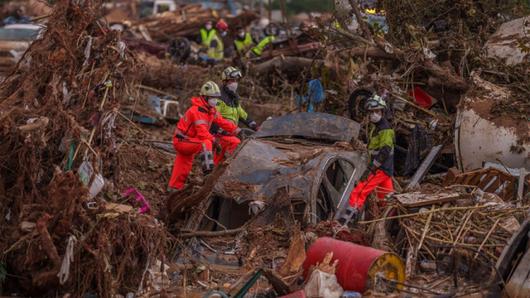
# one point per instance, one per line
(177, 203)
(385, 50)
(441, 75)
(444, 76)
(212, 233)
(291, 50)
(370, 51)
(285, 63)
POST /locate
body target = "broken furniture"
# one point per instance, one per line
(489, 180)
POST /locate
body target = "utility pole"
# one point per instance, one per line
(270, 10)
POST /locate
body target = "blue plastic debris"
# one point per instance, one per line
(315, 95)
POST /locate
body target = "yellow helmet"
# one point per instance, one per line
(210, 89)
(231, 73)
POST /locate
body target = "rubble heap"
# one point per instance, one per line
(59, 110)
(185, 22)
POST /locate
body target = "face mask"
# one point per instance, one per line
(208, 27)
(212, 102)
(241, 35)
(375, 117)
(232, 86)
(223, 33)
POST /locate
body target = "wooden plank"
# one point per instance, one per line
(418, 199)
(487, 179)
(424, 167)
(520, 186)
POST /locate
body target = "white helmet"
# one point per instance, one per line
(231, 73)
(375, 102)
(210, 89)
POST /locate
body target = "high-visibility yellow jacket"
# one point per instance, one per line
(258, 50)
(206, 36)
(216, 48)
(230, 107)
(381, 146)
(243, 45)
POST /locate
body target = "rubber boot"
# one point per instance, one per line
(207, 163)
(350, 215)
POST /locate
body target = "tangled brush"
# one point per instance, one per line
(57, 112)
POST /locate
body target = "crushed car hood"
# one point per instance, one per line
(264, 167)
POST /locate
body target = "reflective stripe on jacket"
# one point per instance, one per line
(258, 50)
(198, 119)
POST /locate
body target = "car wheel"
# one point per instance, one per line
(356, 103)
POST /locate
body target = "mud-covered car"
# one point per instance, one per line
(301, 162)
(14, 41)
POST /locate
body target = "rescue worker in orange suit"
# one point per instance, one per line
(378, 175)
(192, 135)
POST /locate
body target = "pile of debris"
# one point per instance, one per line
(86, 155)
(184, 22)
(59, 113)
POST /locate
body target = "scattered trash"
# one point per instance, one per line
(144, 204)
(322, 284)
(90, 93)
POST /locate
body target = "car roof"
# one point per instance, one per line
(24, 26)
(316, 126)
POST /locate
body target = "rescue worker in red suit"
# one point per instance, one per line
(192, 135)
(378, 175)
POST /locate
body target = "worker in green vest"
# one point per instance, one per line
(243, 42)
(230, 104)
(206, 34)
(270, 35)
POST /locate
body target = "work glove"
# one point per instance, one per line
(238, 132)
(222, 132)
(255, 207)
(217, 146)
(350, 215)
(207, 163)
(253, 125)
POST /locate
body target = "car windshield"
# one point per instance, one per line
(18, 34)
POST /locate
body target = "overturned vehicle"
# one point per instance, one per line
(299, 163)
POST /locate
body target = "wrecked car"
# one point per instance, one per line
(14, 41)
(301, 161)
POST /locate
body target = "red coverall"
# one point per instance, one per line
(228, 145)
(381, 148)
(380, 181)
(195, 127)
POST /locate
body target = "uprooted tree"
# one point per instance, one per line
(58, 111)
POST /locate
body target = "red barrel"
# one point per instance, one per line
(358, 265)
